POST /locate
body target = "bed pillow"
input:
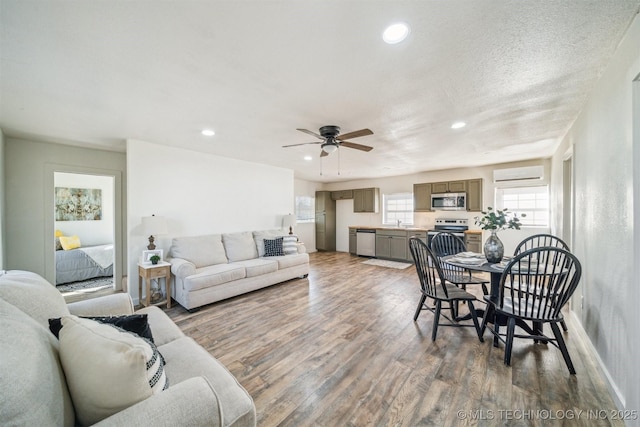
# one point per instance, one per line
(107, 368)
(58, 244)
(69, 242)
(136, 323)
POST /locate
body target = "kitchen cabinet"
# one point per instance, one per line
(422, 193)
(325, 221)
(342, 195)
(366, 200)
(474, 195)
(391, 244)
(473, 242)
(449, 187)
(422, 197)
(353, 240)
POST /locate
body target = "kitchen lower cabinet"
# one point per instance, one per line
(353, 241)
(473, 242)
(391, 244)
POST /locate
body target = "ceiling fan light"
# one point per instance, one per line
(395, 33)
(329, 148)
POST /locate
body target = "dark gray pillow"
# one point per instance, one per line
(273, 247)
(136, 323)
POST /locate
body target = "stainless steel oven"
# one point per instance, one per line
(457, 227)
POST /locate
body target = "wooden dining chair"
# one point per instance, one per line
(436, 288)
(538, 241)
(444, 244)
(533, 291)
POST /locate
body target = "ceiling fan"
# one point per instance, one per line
(331, 139)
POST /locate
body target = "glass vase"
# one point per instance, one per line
(493, 248)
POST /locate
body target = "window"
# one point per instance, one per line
(531, 201)
(305, 209)
(397, 207)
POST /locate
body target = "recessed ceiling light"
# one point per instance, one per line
(458, 125)
(395, 33)
(208, 132)
(308, 158)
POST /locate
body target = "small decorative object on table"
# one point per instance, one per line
(154, 259)
(494, 221)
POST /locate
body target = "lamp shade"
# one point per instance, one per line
(154, 225)
(288, 221)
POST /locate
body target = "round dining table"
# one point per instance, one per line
(495, 270)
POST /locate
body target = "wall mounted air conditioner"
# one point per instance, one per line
(526, 173)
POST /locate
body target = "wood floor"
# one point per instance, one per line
(341, 349)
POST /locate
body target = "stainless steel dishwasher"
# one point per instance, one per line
(366, 242)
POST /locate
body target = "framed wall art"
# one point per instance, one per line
(78, 204)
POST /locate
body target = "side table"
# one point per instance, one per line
(151, 271)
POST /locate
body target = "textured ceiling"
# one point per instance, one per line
(98, 73)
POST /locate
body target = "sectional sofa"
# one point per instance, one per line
(210, 268)
(98, 374)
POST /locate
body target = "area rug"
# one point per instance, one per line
(90, 285)
(388, 264)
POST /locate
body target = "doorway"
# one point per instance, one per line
(86, 209)
(84, 232)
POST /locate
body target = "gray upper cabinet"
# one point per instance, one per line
(474, 195)
(422, 193)
(449, 187)
(366, 200)
(422, 197)
(342, 194)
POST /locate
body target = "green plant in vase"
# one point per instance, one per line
(496, 220)
(154, 259)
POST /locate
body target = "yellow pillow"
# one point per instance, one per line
(69, 242)
(58, 233)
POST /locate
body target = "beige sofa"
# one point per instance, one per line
(37, 371)
(214, 267)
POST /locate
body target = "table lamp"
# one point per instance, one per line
(154, 225)
(289, 221)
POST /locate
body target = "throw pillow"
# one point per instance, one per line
(273, 247)
(69, 242)
(136, 323)
(107, 368)
(58, 244)
(289, 246)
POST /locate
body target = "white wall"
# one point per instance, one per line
(404, 184)
(603, 234)
(91, 233)
(29, 197)
(199, 194)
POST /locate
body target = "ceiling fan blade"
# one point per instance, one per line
(355, 134)
(356, 146)
(311, 133)
(323, 153)
(304, 143)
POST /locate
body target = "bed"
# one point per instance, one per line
(84, 263)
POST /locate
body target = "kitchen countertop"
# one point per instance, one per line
(369, 227)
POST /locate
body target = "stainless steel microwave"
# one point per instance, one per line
(449, 202)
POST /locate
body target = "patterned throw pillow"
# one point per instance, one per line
(107, 368)
(273, 247)
(289, 244)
